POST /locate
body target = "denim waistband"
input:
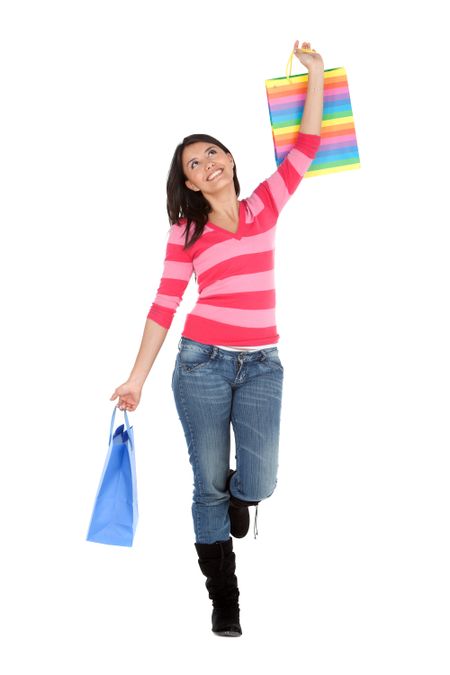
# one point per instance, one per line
(247, 355)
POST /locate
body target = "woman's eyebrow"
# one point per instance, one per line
(192, 158)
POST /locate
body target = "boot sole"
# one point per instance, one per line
(227, 633)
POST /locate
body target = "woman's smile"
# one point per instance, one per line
(215, 174)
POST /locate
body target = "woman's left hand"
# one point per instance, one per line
(308, 60)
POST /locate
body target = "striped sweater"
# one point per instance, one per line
(234, 271)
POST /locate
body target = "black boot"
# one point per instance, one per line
(238, 512)
(218, 563)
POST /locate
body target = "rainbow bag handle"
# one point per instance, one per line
(286, 97)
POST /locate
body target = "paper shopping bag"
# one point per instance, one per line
(115, 512)
(286, 97)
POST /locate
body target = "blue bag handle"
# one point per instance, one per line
(129, 429)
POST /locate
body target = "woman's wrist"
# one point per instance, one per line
(316, 71)
(137, 379)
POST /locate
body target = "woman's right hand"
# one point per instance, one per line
(308, 60)
(129, 394)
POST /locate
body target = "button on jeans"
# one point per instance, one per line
(214, 388)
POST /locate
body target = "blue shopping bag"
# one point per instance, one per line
(115, 512)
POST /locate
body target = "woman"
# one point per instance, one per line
(228, 368)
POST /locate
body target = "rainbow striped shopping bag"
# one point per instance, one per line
(286, 97)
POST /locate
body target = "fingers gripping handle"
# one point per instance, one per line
(129, 429)
(291, 57)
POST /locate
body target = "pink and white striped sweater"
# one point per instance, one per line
(234, 271)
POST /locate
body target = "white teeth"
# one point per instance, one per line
(216, 173)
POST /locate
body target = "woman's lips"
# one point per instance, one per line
(214, 174)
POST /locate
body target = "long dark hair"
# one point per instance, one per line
(185, 203)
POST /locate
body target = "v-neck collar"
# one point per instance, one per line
(238, 233)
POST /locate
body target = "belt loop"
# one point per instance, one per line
(179, 344)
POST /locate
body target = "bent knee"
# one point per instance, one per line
(269, 492)
(264, 492)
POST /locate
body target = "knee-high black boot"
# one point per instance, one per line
(218, 563)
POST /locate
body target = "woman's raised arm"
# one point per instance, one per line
(313, 110)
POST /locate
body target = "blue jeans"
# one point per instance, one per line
(213, 387)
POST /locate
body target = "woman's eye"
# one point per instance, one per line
(194, 162)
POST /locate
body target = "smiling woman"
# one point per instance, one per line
(217, 165)
(191, 193)
(227, 370)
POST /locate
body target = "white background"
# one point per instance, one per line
(350, 569)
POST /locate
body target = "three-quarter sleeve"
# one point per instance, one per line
(177, 271)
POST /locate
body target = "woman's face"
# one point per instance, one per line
(207, 167)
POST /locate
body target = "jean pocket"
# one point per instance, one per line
(273, 359)
(193, 358)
